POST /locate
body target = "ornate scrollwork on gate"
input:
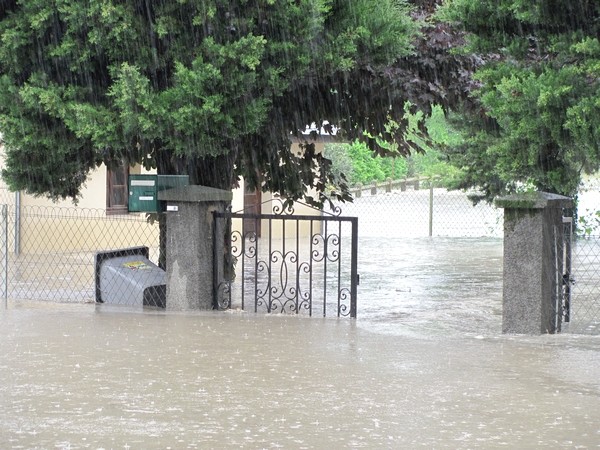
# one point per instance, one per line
(304, 295)
(344, 305)
(282, 287)
(280, 208)
(326, 248)
(263, 283)
(290, 268)
(336, 210)
(223, 295)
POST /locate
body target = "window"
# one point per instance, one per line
(117, 194)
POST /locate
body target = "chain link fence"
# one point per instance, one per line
(585, 291)
(48, 253)
(585, 263)
(417, 208)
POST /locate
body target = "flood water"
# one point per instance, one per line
(85, 376)
(430, 285)
(423, 366)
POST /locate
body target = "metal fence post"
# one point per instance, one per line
(17, 224)
(354, 277)
(567, 268)
(430, 207)
(5, 252)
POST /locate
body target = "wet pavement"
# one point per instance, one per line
(85, 376)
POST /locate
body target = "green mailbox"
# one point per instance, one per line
(144, 189)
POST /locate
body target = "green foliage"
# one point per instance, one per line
(538, 122)
(366, 166)
(431, 160)
(358, 29)
(359, 165)
(589, 224)
(434, 164)
(341, 162)
(394, 168)
(210, 88)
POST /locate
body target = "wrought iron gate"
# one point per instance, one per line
(303, 264)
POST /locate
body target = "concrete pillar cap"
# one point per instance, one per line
(534, 200)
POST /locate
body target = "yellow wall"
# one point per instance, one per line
(63, 226)
(41, 233)
(93, 194)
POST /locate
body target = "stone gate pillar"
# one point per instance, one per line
(190, 245)
(533, 261)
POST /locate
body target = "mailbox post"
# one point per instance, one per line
(190, 243)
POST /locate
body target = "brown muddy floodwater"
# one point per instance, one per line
(81, 376)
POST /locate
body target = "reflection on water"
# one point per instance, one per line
(87, 377)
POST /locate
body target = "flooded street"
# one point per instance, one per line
(430, 285)
(133, 136)
(81, 376)
(423, 366)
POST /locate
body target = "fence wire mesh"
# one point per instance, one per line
(585, 299)
(418, 208)
(48, 253)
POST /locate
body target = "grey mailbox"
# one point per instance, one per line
(128, 277)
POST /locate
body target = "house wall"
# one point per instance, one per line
(42, 225)
(66, 227)
(93, 194)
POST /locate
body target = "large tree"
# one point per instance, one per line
(210, 88)
(534, 119)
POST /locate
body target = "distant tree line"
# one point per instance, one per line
(427, 160)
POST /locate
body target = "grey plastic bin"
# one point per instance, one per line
(128, 277)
